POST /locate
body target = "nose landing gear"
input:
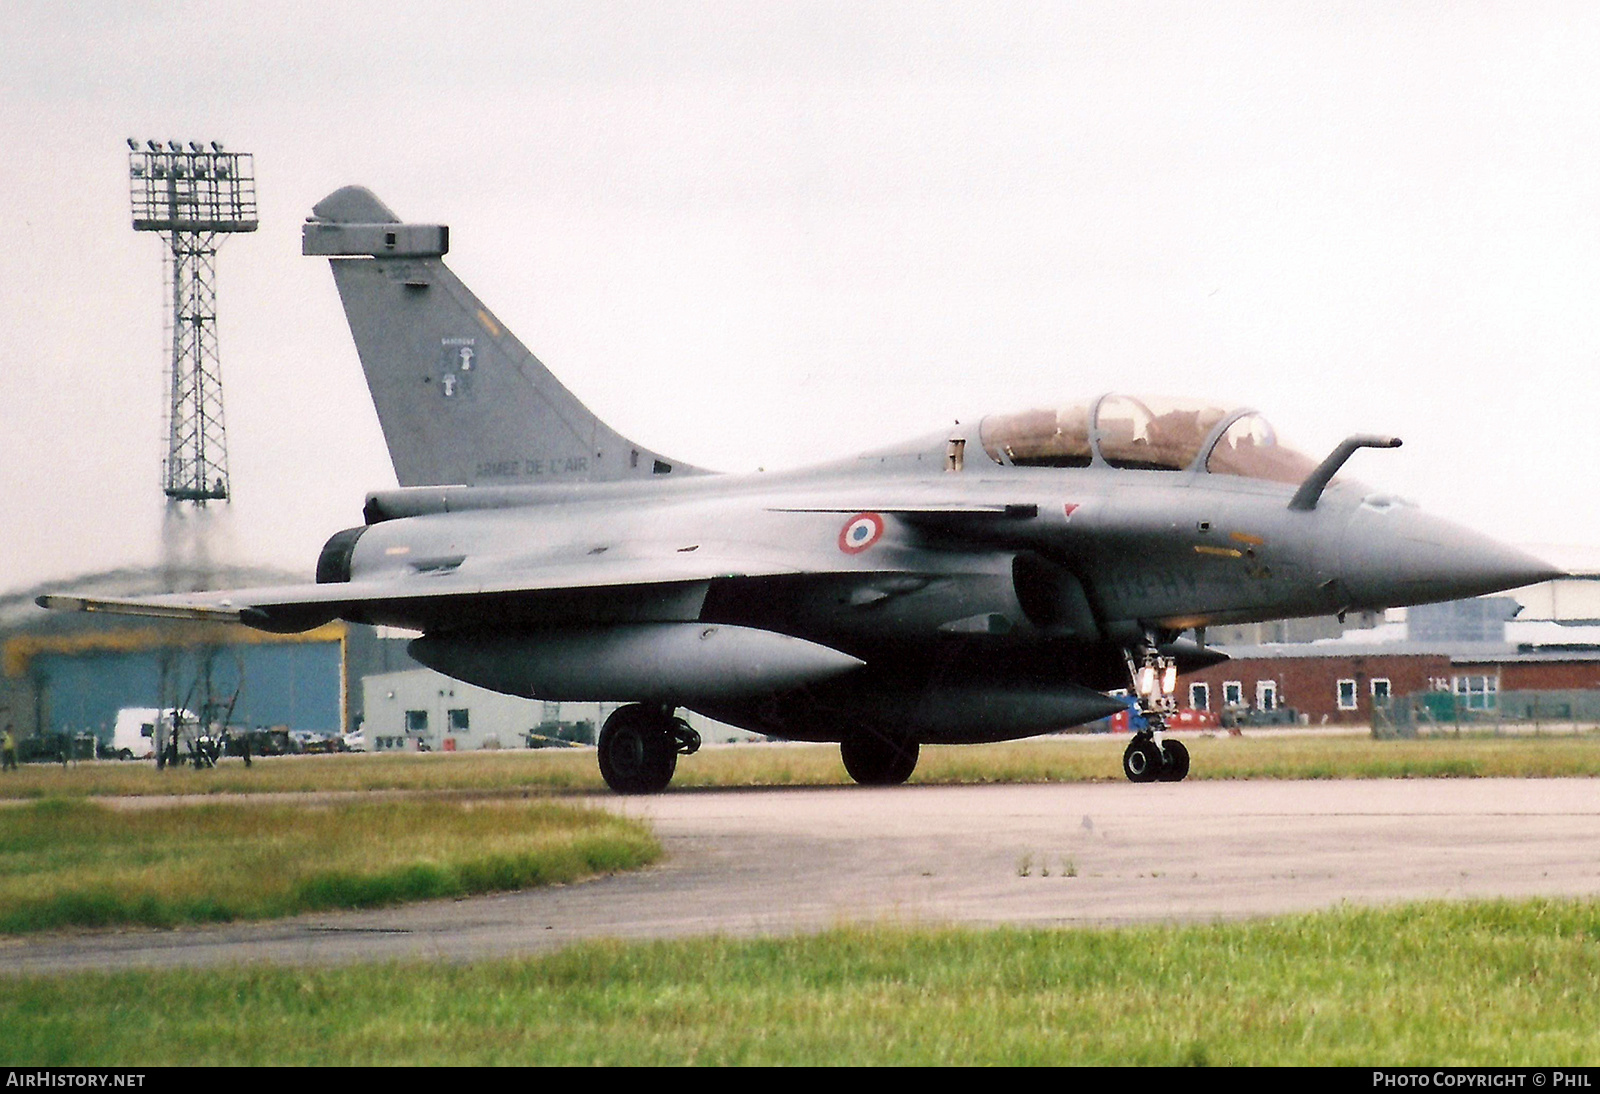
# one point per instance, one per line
(1154, 679)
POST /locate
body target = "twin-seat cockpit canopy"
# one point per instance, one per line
(1144, 435)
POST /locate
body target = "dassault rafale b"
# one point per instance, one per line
(980, 583)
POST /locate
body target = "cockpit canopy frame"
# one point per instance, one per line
(1137, 434)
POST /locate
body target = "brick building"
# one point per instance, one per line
(1339, 683)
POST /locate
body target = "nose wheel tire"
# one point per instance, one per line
(1175, 762)
(638, 751)
(1142, 760)
(879, 759)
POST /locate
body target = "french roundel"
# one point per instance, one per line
(860, 532)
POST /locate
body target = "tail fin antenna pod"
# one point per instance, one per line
(460, 399)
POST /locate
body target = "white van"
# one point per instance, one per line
(138, 730)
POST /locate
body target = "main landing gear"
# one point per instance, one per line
(1154, 679)
(876, 758)
(639, 748)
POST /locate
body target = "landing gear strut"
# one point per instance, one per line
(877, 758)
(1154, 679)
(639, 748)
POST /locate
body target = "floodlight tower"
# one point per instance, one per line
(193, 195)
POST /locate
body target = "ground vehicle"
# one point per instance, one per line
(135, 733)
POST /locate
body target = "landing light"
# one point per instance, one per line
(1147, 680)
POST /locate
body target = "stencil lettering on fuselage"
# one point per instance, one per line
(528, 468)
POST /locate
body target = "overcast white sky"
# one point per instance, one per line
(760, 234)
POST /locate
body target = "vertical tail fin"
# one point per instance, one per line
(460, 399)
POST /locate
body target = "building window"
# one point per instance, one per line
(1380, 691)
(458, 721)
(1347, 695)
(416, 721)
(1477, 692)
(1199, 696)
(1232, 693)
(1266, 695)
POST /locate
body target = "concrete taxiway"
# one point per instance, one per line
(743, 862)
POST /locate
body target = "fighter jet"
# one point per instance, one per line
(984, 582)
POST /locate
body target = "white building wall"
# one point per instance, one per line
(393, 701)
(1566, 600)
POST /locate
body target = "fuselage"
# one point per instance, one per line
(1174, 550)
(952, 587)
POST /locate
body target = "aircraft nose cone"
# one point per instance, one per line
(1395, 555)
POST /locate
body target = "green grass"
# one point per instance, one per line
(1079, 759)
(1287, 757)
(77, 863)
(471, 772)
(1510, 984)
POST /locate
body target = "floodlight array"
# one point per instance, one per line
(191, 188)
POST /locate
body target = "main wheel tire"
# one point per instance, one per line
(638, 754)
(879, 759)
(1142, 760)
(1175, 762)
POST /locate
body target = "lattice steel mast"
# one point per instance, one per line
(193, 196)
